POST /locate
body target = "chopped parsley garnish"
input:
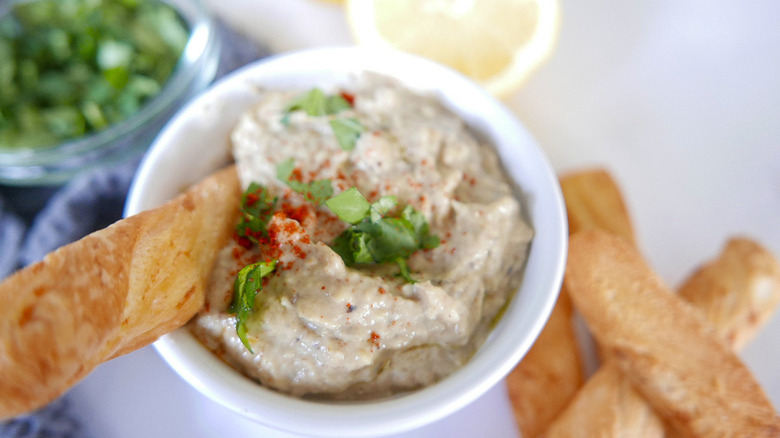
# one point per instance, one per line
(248, 283)
(349, 205)
(316, 191)
(347, 131)
(376, 238)
(257, 207)
(373, 237)
(316, 103)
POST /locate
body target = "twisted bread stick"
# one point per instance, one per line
(112, 292)
(551, 374)
(737, 292)
(671, 355)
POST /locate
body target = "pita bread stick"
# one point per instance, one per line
(550, 375)
(594, 201)
(663, 345)
(607, 405)
(114, 291)
(737, 292)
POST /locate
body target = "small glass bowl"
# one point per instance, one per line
(129, 138)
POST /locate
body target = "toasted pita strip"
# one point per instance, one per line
(550, 374)
(109, 293)
(671, 355)
(607, 406)
(594, 201)
(738, 292)
(548, 377)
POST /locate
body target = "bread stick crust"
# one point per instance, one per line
(738, 291)
(594, 201)
(672, 356)
(607, 406)
(549, 376)
(109, 293)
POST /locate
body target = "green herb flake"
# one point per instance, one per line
(376, 238)
(317, 191)
(312, 103)
(257, 207)
(62, 57)
(349, 205)
(316, 103)
(382, 207)
(404, 270)
(245, 288)
(335, 104)
(347, 131)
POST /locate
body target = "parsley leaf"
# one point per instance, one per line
(382, 207)
(404, 270)
(248, 283)
(256, 210)
(316, 191)
(316, 103)
(347, 131)
(420, 227)
(376, 238)
(349, 205)
(335, 104)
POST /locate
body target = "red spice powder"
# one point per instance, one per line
(301, 254)
(252, 198)
(349, 97)
(297, 175)
(374, 340)
(299, 213)
(243, 241)
(238, 253)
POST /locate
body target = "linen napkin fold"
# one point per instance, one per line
(89, 202)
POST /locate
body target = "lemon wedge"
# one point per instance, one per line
(498, 43)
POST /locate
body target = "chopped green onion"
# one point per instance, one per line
(101, 59)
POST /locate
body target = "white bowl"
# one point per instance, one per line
(195, 142)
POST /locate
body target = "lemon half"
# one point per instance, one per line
(498, 43)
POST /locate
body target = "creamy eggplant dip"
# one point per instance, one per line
(384, 236)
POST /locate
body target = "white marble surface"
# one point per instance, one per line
(679, 100)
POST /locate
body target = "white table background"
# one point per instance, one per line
(679, 100)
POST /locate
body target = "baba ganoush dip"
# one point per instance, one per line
(322, 328)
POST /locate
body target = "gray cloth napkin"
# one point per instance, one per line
(35, 221)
